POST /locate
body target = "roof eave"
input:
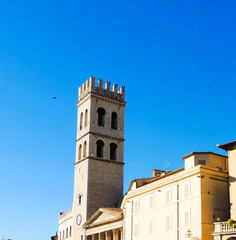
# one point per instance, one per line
(228, 146)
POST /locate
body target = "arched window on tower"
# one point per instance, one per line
(80, 151)
(114, 120)
(85, 149)
(113, 151)
(100, 147)
(81, 121)
(101, 116)
(86, 118)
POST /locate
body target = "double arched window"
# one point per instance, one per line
(114, 120)
(83, 119)
(101, 116)
(113, 151)
(100, 148)
(84, 151)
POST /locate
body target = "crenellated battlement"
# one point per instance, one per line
(90, 86)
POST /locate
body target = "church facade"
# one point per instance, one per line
(177, 205)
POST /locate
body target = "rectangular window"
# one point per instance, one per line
(136, 229)
(136, 206)
(81, 237)
(186, 190)
(63, 233)
(187, 218)
(167, 196)
(167, 223)
(60, 236)
(151, 202)
(151, 226)
(202, 162)
(67, 232)
(80, 199)
(70, 230)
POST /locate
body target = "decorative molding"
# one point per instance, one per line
(96, 95)
(100, 135)
(99, 159)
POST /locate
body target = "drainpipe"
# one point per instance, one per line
(177, 212)
(132, 207)
(123, 232)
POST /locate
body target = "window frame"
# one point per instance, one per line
(80, 152)
(113, 151)
(187, 218)
(100, 148)
(114, 120)
(86, 118)
(81, 121)
(168, 223)
(85, 149)
(201, 162)
(101, 113)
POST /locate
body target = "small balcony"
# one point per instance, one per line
(224, 228)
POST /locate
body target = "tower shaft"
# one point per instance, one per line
(99, 159)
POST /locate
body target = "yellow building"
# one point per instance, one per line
(177, 205)
(227, 230)
(182, 204)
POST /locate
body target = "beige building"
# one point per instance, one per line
(180, 205)
(177, 205)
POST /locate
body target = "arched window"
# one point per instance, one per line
(101, 116)
(113, 151)
(80, 151)
(85, 149)
(114, 120)
(86, 118)
(81, 121)
(100, 146)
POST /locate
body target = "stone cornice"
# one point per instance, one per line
(101, 135)
(99, 159)
(107, 99)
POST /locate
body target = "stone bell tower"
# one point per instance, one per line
(99, 159)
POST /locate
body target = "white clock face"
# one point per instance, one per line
(79, 219)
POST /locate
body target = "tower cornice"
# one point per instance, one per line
(101, 135)
(104, 98)
(99, 159)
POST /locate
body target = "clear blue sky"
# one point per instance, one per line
(177, 60)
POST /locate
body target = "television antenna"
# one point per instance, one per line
(167, 164)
